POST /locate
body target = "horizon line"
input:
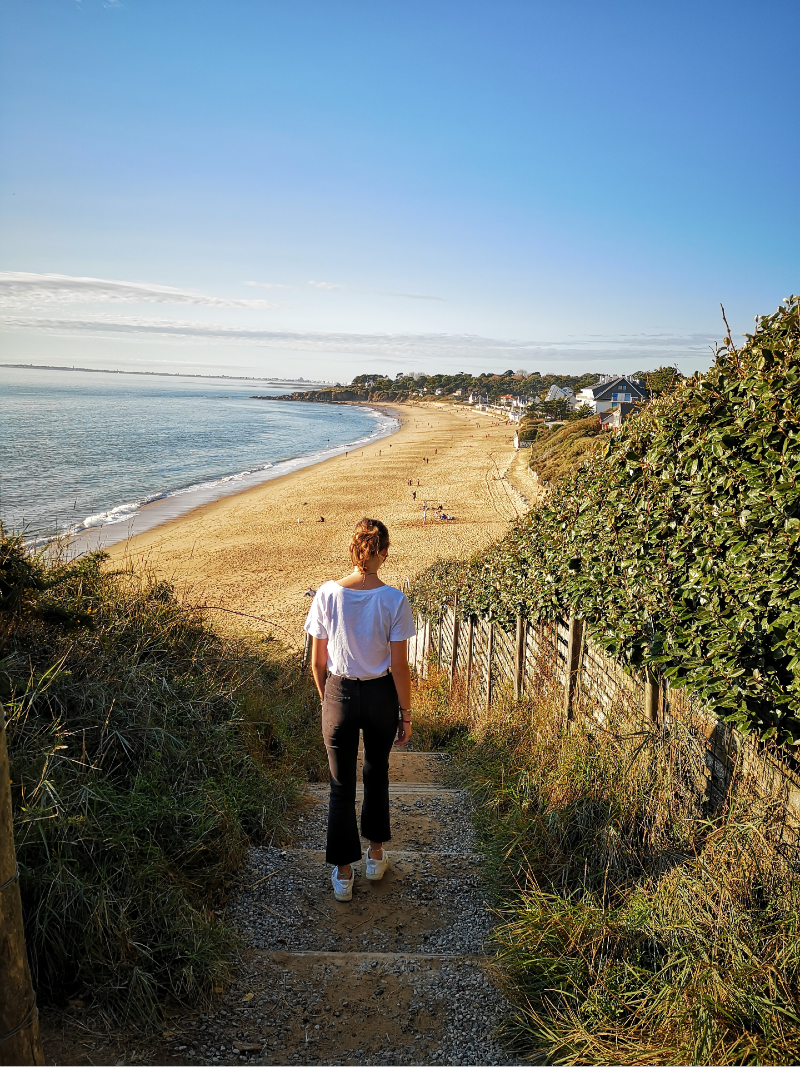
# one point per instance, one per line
(169, 374)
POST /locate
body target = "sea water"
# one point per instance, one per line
(85, 451)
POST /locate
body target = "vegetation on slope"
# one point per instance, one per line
(146, 752)
(555, 454)
(642, 922)
(679, 542)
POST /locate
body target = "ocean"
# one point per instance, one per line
(119, 453)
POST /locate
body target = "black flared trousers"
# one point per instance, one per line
(350, 707)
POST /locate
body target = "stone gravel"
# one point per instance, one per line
(399, 975)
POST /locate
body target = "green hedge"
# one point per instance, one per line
(678, 543)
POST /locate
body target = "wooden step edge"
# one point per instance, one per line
(396, 788)
(399, 853)
(323, 955)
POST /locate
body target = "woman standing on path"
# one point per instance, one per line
(360, 664)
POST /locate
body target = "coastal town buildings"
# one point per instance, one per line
(611, 390)
(617, 414)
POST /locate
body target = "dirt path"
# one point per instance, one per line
(396, 976)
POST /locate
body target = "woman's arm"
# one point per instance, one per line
(319, 663)
(402, 683)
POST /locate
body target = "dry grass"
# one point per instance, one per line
(147, 752)
(556, 454)
(639, 923)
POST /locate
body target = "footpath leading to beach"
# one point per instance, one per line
(402, 974)
(258, 552)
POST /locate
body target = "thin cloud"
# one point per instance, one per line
(266, 285)
(410, 347)
(19, 289)
(411, 296)
(326, 285)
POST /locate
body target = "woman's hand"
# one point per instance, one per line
(403, 731)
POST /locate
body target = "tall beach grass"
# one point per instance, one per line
(147, 751)
(640, 919)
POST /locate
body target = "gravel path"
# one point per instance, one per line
(399, 975)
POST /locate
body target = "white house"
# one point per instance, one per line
(611, 390)
(555, 392)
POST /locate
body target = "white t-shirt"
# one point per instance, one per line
(359, 624)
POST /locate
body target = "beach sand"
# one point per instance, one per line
(248, 553)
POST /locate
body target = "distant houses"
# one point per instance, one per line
(611, 391)
(615, 416)
(556, 392)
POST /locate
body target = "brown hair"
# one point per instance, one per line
(369, 538)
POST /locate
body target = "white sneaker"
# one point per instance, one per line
(343, 887)
(376, 868)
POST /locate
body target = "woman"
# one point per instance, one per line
(360, 664)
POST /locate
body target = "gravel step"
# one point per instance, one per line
(340, 1008)
(426, 902)
(399, 975)
(423, 768)
(437, 820)
(321, 789)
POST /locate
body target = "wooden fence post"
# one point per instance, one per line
(19, 1017)
(489, 652)
(652, 699)
(470, 653)
(456, 631)
(573, 664)
(441, 641)
(519, 657)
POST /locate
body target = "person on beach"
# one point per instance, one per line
(359, 660)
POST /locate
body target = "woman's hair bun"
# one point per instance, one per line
(369, 538)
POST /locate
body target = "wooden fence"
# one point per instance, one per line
(483, 660)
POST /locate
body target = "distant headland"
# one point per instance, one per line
(172, 374)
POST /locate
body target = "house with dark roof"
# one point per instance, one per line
(606, 394)
(615, 416)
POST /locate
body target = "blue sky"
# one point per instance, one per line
(292, 187)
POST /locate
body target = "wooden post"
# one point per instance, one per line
(307, 646)
(19, 1017)
(441, 642)
(470, 647)
(489, 653)
(519, 657)
(573, 665)
(456, 632)
(651, 698)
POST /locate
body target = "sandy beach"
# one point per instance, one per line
(258, 552)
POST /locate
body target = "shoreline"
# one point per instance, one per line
(260, 551)
(177, 503)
